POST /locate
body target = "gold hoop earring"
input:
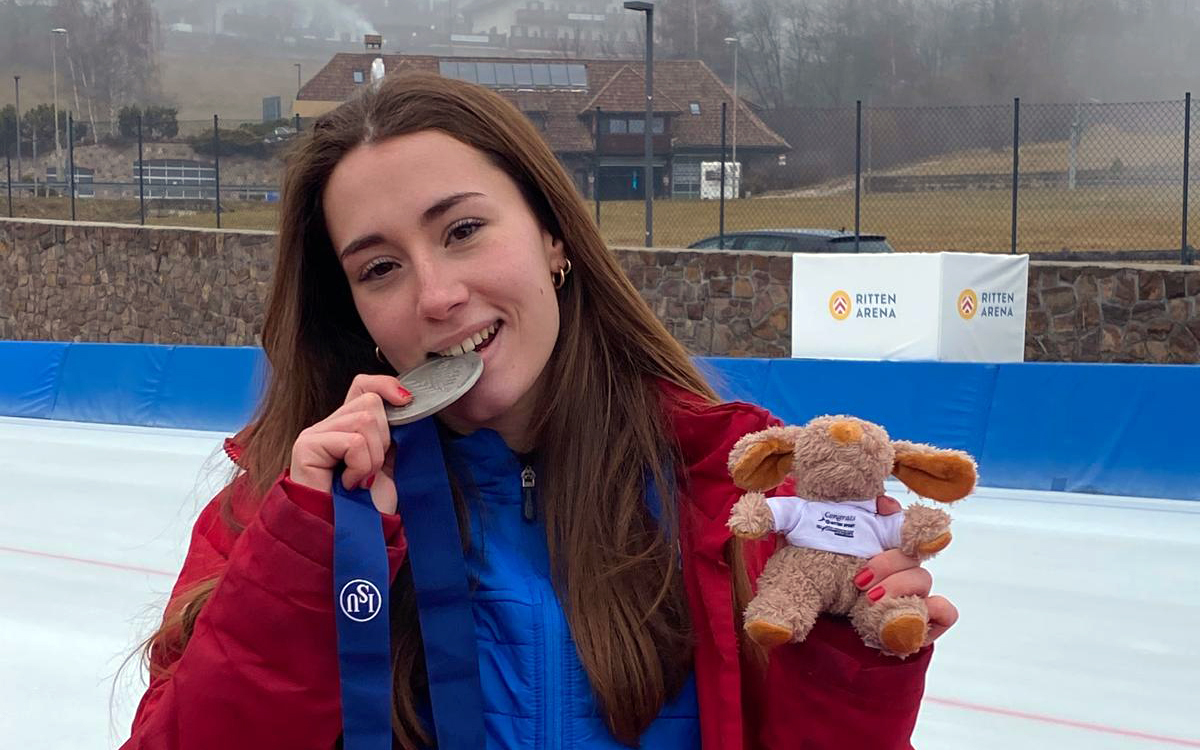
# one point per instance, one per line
(560, 276)
(379, 356)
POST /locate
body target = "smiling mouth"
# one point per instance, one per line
(473, 343)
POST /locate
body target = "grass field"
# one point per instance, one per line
(1092, 219)
(1099, 147)
(230, 84)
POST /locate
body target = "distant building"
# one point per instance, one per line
(561, 97)
(577, 28)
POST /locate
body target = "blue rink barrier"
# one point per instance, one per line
(190, 387)
(1102, 428)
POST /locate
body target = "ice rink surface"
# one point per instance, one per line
(1080, 619)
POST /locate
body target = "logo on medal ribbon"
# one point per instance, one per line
(360, 600)
(839, 305)
(968, 304)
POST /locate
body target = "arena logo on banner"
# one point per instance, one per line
(862, 305)
(986, 304)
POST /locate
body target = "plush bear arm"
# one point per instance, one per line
(751, 517)
(925, 532)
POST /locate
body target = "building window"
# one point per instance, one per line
(618, 125)
(538, 119)
(658, 126)
(359, 76)
(686, 178)
(637, 125)
(695, 107)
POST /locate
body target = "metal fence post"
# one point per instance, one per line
(141, 174)
(596, 168)
(721, 228)
(1016, 170)
(8, 166)
(297, 120)
(217, 166)
(71, 158)
(1185, 256)
(857, 172)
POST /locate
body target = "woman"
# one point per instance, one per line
(426, 217)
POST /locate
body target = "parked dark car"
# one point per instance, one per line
(798, 241)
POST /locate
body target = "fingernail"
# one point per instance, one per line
(368, 482)
(875, 594)
(864, 577)
(404, 392)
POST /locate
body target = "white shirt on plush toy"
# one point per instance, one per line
(849, 528)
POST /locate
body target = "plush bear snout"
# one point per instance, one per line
(845, 432)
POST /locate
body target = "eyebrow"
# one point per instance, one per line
(430, 215)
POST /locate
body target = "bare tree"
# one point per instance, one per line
(113, 48)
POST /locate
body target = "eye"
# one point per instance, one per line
(377, 268)
(463, 229)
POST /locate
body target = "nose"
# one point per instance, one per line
(440, 289)
(845, 432)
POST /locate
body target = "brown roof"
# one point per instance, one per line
(626, 92)
(614, 85)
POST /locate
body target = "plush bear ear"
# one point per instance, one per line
(936, 473)
(761, 460)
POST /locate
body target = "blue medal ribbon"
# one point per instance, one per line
(361, 580)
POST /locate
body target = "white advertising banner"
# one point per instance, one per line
(876, 306)
(983, 307)
(963, 307)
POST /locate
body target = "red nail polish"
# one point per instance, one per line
(864, 577)
(875, 594)
(404, 392)
(368, 482)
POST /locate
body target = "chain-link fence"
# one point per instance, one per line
(139, 170)
(1019, 177)
(1029, 178)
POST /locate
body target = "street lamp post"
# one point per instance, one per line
(54, 67)
(17, 83)
(297, 79)
(648, 128)
(733, 41)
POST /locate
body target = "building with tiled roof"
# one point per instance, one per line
(563, 97)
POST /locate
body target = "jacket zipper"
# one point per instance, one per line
(528, 499)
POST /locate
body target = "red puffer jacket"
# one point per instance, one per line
(260, 670)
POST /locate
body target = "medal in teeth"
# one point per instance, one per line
(437, 383)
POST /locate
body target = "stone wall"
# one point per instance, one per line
(80, 281)
(717, 302)
(1113, 313)
(105, 282)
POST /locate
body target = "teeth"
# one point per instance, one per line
(471, 342)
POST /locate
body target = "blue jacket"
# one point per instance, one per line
(535, 691)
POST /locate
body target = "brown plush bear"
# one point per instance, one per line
(839, 464)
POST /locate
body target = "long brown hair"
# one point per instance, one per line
(600, 424)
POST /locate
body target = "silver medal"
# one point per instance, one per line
(435, 385)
